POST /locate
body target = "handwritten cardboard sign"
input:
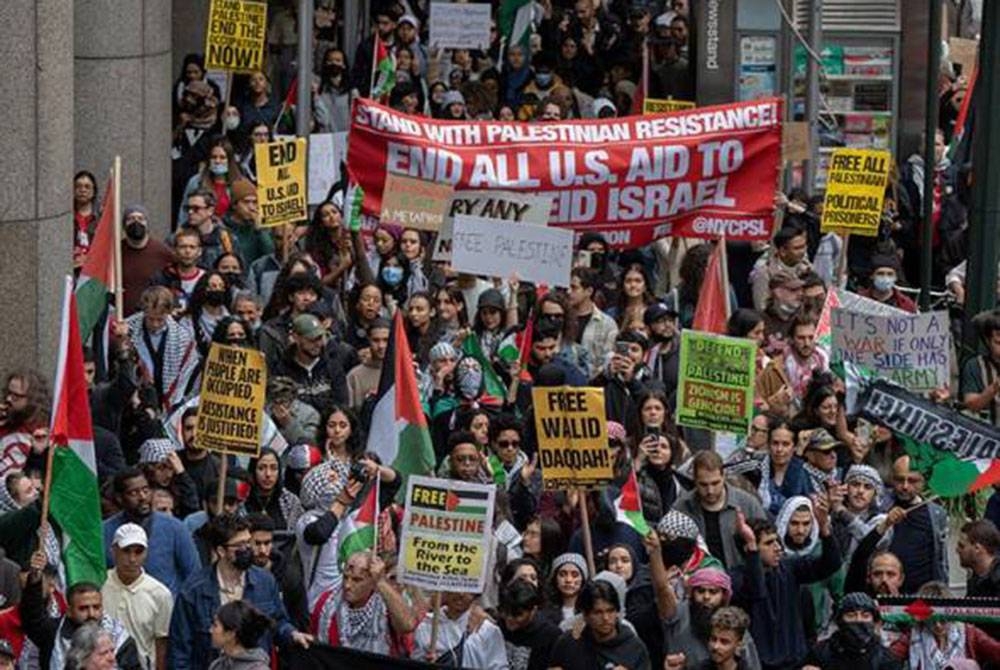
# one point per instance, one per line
(487, 247)
(414, 203)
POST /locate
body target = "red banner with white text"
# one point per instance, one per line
(697, 173)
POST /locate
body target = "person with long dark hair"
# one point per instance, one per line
(267, 492)
(235, 630)
(85, 211)
(206, 308)
(326, 241)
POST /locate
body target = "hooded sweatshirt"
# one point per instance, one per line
(624, 649)
(248, 659)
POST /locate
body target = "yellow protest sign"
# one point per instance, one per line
(281, 181)
(414, 203)
(855, 189)
(446, 535)
(656, 106)
(231, 406)
(234, 37)
(572, 437)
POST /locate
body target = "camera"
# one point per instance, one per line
(358, 472)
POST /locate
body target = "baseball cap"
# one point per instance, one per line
(657, 311)
(308, 326)
(822, 440)
(130, 535)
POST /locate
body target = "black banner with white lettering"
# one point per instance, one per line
(924, 422)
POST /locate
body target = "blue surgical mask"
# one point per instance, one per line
(219, 169)
(392, 275)
(884, 283)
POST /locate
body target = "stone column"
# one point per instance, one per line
(36, 198)
(123, 80)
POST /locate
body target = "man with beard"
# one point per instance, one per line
(856, 644)
(980, 382)
(783, 383)
(52, 634)
(688, 628)
(22, 412)
(384, 17)
(201, 465)
(664, 355)
(855, 507)
(769, 582)
(182, 275)
(172, 555)
(230, 577)
(197, 125)
(529, 637)
(142, 257)
(596, 331)
(363, 611)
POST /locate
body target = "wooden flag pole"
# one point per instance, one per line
(588, 545)
(724, 266)
(436, 608)
(220, 493)
(116, 249)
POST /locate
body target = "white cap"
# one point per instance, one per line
(129, 535)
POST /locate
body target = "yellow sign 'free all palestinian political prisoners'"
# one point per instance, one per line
(655, 106)
(572, 437)
(855, 190)
(234, 36)
(231, 406)
(281, 181)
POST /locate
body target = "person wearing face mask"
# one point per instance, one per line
(197, 123)
(216, 176)
(206, 309)
(142, 256)
(232, 577)
(333, 102)
(882, 288)
(393, 276)
(784, 305)
(856, 644)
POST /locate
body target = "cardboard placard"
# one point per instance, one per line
(572, 430)
(912, 350)
(795, 141)
(414, 203)
(963, 52)
(658, 106)
(491, 248)
(231, 409)
(495, 205)
(446, 535)
(326, 152)
(281, 181)
(460, 25)
(235, 34)
(716, 383)
(855, 190)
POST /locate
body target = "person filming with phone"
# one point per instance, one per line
(625, 376)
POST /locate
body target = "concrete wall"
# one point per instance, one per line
(123, 78)
(36, 47)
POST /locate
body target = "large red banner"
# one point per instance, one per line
(703, 172)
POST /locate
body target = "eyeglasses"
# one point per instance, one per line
(195, 208)
(508, 444)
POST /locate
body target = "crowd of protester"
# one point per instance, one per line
(775, 566)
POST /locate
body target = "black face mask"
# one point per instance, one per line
(857, 636)
(215, 298)
(135, 231)
(331, 71)
(701, 620)
(233, 280)
(677, 552)
(555, 322)
(243, 559)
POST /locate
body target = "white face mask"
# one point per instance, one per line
(232, 122)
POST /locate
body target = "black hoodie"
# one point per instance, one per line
(624, 649)
(529, 648)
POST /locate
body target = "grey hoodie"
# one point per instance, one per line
(250, 659)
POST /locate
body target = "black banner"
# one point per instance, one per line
(923, 421)
(325, 657)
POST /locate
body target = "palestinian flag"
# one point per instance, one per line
(399, 432)
(495, 389)
(516, 22)
(384, 74)
(467, 502)
(517, 347)
(97, 276)
(355, 200)
(959, 150)
(357, 531)
(73, 497)
(286, 117)
(947, 475)
(712, 312)
(628, 506)
(824, 329)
